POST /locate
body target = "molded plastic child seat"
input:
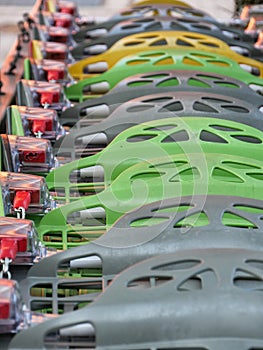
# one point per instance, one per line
(52, 33)
(234, 38)
(68, 7)
(26, 154)
(57, 19)
(11, 312)
(33, 121)
(175, 176)
(46, 70)
(100, 29)
(28, 193)
(19, 242)
(176, 224)
(160, 138)
(33, 93)
(93, 110)
(152, 61)
(92, 139)
(134, 44)
(50, 50)
(173, 298)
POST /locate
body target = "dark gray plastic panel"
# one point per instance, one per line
(158, 228)
(158, 82)
(234, 38)
(143, 11)
(178, 301)
(164, 105)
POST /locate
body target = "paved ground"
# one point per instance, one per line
(11, 11)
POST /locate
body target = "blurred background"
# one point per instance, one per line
(11, 11)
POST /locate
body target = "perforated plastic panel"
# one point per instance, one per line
(137, 43)
(175, 176)
(232, 37)
(159, 106)
(143, 11)
(93, 110)
(206, 299)
(140, 11)
(160, 60)
(159, 138)
(163, 227)
(155, 2)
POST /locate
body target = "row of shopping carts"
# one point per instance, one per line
(132, 181)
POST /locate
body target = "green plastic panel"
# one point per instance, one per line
(159, 138)
(181, 175)
(156, 61)
(165, 81)
(16, 122)
(179, 40)
(87, 140)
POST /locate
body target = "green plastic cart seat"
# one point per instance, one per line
(95, 110)
(139, 12)
(176, 224)
(133, 44)
(85, 141)
(233, 37)
(160, 138)
(161, 60)
(186, 300)
(181, 175)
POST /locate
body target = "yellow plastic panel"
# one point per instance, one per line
(36, 52)
(165, 2)
(51, 6)
(136, 43)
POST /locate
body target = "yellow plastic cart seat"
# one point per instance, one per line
(133, 44)
(166, 2)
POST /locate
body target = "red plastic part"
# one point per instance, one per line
(67, 7)
(46, 98)
(39, 125)
(33, 157)
(48, 123)
(54, 74)
(49, 97)
(20, 241)
(4, 309)
(8, 248)
(61, 22)
(69, 10)
(56, 55)
(22, 199)
(58, 34)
